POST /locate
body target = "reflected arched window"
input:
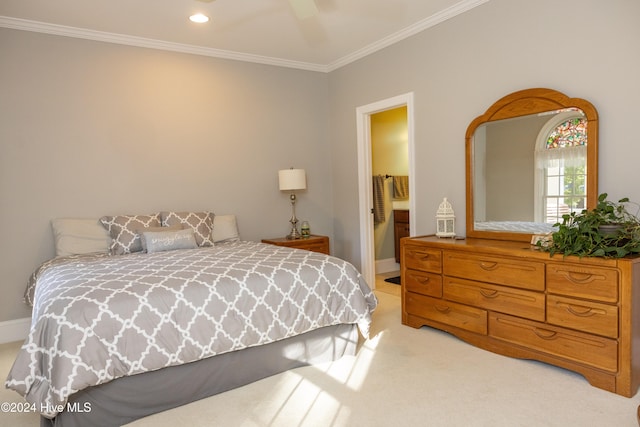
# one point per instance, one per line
(570, 133)
(561, 165)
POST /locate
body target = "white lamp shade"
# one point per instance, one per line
(292, 179)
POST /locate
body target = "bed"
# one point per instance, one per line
(515, 226)
(120, 334)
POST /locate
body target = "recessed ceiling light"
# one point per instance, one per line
(199, 18)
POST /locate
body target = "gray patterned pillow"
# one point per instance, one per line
(169, 240)
(140, 231)
(200, 222)
(125, 238)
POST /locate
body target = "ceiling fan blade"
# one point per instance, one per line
(304, 8)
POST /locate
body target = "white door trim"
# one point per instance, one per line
(365, 185)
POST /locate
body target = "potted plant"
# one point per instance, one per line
(608, 230)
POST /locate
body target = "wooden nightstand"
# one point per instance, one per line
(312, 243)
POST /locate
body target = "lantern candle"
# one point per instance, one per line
(445, 220)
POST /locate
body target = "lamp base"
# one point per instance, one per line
(294, 235)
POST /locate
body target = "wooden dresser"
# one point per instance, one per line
(509, 298)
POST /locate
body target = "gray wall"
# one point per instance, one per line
(457, 69)
(509, 168)
(91, 128)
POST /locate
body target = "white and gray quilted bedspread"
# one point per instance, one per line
(98, 318)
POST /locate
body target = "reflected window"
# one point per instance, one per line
(561, 166)
(571, 133)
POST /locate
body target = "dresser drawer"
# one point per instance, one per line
(423, 283)
(572, 345)
(502, 271)
(514, 301)
(583, 282)
(587, 316)
(447, 312)
(421, 258)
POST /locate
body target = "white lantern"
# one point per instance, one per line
(445, 220)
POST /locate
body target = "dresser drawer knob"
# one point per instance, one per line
(489, 266)
(419, 254)
(579, 278)
(423, 280)
(489, 293)
(545, 334)
(442, 309)
(582, 311)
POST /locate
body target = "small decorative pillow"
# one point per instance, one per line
(123, 230)
(158, 241)
(142, 230)
(200, 222)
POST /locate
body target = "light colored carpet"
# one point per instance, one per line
(400, 377)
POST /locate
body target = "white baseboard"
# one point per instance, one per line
(14, 330)
(386, 265)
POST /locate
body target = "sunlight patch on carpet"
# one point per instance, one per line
(353, 370)
(304, 396)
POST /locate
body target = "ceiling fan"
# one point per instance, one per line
(302, 8)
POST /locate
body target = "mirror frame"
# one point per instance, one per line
(524, 103)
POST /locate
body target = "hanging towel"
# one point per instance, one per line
(401, 187)
(378, 199)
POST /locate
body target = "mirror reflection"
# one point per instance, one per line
(531, 158)
(529, 171)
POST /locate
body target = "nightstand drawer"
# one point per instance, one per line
(322, 247)
(312, 243)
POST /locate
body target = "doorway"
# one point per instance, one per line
(365, 176)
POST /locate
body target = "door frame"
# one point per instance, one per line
(365, 184)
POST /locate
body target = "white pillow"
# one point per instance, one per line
(75, 236)
(225, 229)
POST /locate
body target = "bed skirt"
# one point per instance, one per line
(127, 399)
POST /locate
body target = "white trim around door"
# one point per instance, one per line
(365, 186)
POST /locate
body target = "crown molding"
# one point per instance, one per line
(416, 28)
(83, 33)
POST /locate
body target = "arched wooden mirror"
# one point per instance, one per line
(530, 158)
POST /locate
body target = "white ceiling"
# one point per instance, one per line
(263, 31)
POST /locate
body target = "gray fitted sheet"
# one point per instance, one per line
(126, 399)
